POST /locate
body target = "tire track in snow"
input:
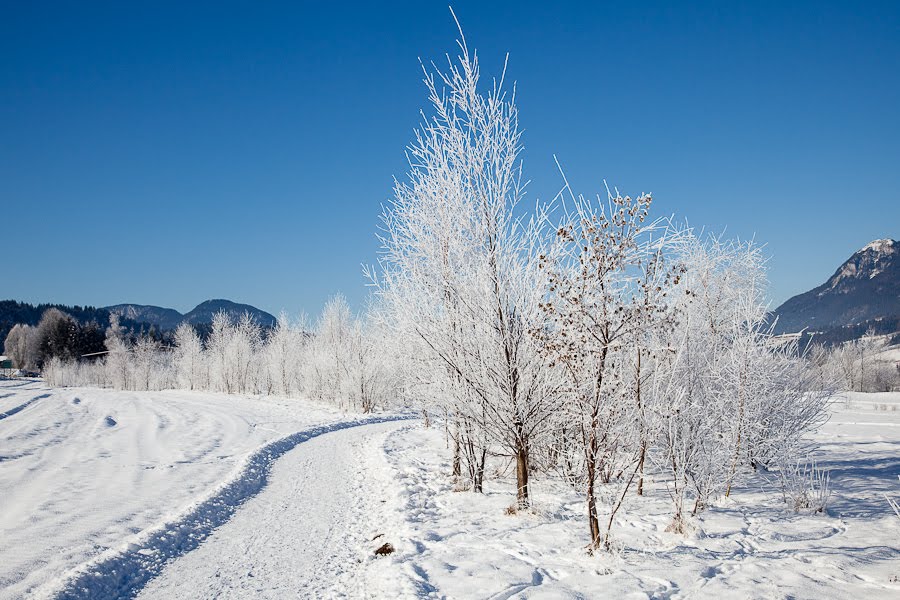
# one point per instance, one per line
(22, 407)
(124, 574)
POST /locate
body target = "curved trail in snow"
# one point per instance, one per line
(305, 535)
(17, 409)
(304, 492)
(84, 471)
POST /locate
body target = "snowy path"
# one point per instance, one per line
(86, 473)
(304, 536)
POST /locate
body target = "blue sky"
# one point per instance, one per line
(166, 153)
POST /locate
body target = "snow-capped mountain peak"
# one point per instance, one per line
(880, 246)
(865, 287)
(866, 263)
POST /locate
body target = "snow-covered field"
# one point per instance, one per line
(181, 494)
(750, 546)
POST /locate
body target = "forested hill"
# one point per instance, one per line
(167, 319)
(13, 312)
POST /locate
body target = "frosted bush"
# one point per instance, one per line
(805, 486)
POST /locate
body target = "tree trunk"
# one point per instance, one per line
(640, 486)
(522, 498)
(521, 452)
(737, 445)
(593, 521)
(479, 474)
(457, 466)
(643, 432)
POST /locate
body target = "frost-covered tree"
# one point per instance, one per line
(147, 364)
(191, 369)
(117, 357)
(709, 376)
(285, 347)
(607, 283)
(351, 361)
(459, 270)
(371, 374)
(234, 353)
(56, 335)
(329, 352)
(726, 396)
(16, 346)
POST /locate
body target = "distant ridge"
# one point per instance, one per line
(168, 318)
(865, 290)
(162, 318)
(204, 312)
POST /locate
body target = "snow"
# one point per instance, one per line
(87, 472)
(180, 494)
(455, 545)
(889, 354)
(276, 546)
(879, 246)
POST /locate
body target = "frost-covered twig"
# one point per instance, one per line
(893, 503)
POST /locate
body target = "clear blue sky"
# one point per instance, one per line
(166, 153)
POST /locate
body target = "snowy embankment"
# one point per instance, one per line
(456, 545)
(100, 488)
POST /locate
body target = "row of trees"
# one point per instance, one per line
(858, 365)
(13, 312)
(57, 335)
(341, 360)
(602, 347)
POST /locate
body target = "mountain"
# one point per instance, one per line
(162, 318)
(866, 288)
(203, 312)
(167, 318)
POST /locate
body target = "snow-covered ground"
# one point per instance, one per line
(751, 546)
(88, 474)
(304, 536)
(180, 494)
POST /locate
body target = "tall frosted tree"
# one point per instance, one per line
(460, 266)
